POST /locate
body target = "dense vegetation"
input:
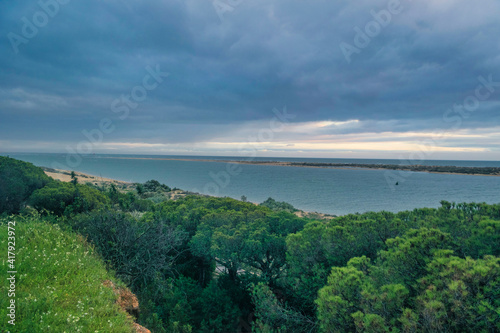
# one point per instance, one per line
(59, 198)
(17, 181)
(204, 264)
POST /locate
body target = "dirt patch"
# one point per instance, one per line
(128, 302)
(314, 215)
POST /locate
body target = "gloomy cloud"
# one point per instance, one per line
(66, 65)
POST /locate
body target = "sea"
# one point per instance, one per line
(324, 190)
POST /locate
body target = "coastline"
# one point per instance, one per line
(65, 176)
(340, 166)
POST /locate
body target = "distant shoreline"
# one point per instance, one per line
(65, 176)
(438, 169)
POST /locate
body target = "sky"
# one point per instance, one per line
(362, 79)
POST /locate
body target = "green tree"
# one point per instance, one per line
(310, 255)
(139, 188)
(65, 198)
(18, 180)
(185, 306)
(460, 295)
(138, 251)
(74, 180)
(155, 186)
(278, 205)
(407, 257)
(415, 285)
(274, 315)
(340, 299)
(253, 242)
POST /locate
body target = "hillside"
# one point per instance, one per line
(206, 264)
(59, 283)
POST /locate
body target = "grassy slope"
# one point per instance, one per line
(59, 283)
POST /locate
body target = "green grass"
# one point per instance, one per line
(59, 283)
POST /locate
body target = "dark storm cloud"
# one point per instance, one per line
(228, 68)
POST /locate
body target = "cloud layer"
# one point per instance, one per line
(418, 72)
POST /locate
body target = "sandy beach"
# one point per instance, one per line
(65, 176)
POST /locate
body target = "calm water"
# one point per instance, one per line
(333, 191)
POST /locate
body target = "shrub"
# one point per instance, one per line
(278, 205)
(61, 198)
(155, 186)
(18, 180)
(137, 251)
